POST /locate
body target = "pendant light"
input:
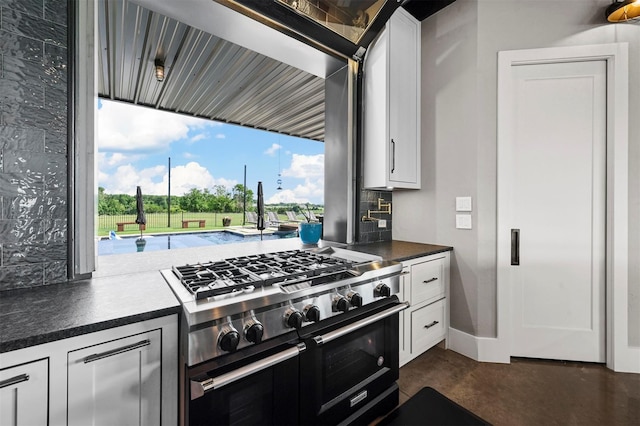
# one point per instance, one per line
(622, 11)
(159, 69)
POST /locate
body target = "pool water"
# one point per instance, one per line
(177, 241)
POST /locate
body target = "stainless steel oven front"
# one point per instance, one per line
(261, 389)
(348, 371)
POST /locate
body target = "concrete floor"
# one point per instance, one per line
(527, 391)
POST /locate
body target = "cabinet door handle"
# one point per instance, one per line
(430, 280)
(14, 380)
(117, 351)
(393, 156)
(432, 324)
(515, 247)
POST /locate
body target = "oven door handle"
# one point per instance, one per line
(198, 388)
(326, 338)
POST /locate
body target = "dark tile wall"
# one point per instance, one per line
(370, 232)
(33, 142)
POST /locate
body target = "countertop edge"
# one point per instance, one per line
(418, 255)
(40, 339)
(397, 250)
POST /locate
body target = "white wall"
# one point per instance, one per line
(459, 81)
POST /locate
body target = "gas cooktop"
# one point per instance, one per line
(244, 273)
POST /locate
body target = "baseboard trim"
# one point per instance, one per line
(628, 361)
(483, 349)
(489, 349)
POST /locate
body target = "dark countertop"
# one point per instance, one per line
(39, 315)
(129, 289)
(399, 250)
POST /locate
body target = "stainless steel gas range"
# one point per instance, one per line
(290, 337)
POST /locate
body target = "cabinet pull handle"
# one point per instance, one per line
(432, 324)
(393, 156)
(14, 380)
(430, 280)
(515, 247)
(133, 346)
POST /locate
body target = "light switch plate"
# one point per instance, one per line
(382, 223)
(463, 204)
(463, 221)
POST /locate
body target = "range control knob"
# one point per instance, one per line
(340, 303)
(354, 299)
(312, 313)
(228, 339)
(253, 332)
(382, 290)
(293, 318)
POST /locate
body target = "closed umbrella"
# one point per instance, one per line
(260, 221)
(140, 218)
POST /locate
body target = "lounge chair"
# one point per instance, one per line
(292, 217)
(273, 219)
(313, 217)
(251, 217)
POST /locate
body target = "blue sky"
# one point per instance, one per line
(134, 144)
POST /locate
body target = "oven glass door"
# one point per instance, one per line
(340, 377)
(347, 362)
(266, 397)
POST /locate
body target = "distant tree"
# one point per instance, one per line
(194, 201)
(238, 197)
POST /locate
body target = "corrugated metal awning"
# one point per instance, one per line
(205, 76)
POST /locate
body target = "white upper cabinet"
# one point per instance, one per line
(392, 106)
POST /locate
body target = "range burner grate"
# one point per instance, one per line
(210, 279)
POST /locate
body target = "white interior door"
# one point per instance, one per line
(554, 194)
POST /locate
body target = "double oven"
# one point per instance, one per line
(288, 338)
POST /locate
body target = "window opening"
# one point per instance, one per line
(201, 165)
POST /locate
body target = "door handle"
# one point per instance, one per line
(198, 388)
(393, 156)
(332, 335)
(515, 247)
(14, 380)
(107, 354)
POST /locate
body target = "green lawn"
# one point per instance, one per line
(157, 222)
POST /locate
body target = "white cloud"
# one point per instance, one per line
(126, 127)
(273, 149)
(221, 136)
(305, 166)
(311, 191)
(153, 180)
(309, 168)
(198, 137)
(285, 196)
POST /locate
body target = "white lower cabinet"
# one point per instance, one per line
(425, 285)
(24, 394)
(125, 375)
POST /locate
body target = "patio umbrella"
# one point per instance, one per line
(140, 218)
(260, 221)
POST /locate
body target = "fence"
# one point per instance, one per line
(159, 221)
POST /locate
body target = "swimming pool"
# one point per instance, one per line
(177, 241)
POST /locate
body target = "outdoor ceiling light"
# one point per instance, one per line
(159, 66)
(622, 11)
